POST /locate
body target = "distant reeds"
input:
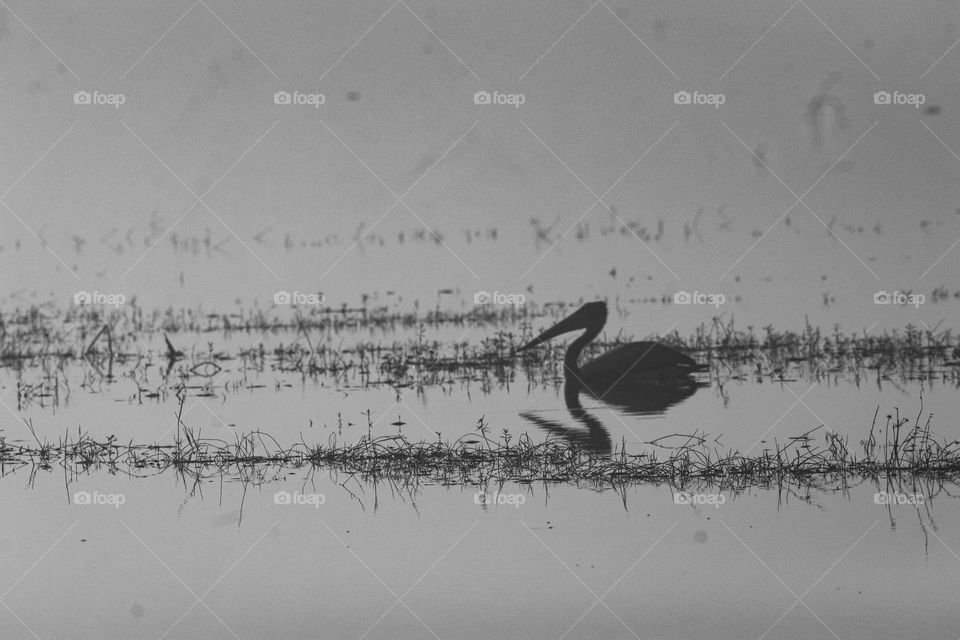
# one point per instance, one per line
(381, 346)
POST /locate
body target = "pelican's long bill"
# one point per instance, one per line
(573, 322)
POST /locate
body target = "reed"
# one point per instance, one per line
(894, 446)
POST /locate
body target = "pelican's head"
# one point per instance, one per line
(590, 315)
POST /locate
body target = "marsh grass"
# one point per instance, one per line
(400, 343)
(351, 346)
(894, 447)
(374, 346)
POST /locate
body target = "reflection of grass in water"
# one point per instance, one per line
(895, 448)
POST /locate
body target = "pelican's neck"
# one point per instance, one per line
(571, 360)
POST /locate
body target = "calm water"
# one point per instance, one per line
(801, 199)
(173, 562)
(744, 405)
(167, 555)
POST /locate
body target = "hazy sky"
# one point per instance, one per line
(589, 119)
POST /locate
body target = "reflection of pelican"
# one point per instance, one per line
(617, 373)
(639, 399)
(644, 398)
(594, 438)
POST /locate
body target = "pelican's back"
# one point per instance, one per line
(639, 360)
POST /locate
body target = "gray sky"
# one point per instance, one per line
(105, 193)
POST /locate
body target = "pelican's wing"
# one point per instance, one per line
(636, 358)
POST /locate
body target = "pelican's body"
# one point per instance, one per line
(630, 364)
(639, 359)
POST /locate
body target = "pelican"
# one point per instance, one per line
(636, 363)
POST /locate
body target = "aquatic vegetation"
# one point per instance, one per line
(48, 351)
(44, 331)
(893, 448)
